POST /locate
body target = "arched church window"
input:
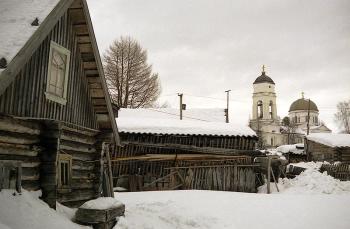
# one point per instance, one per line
(272, 141)
(298, 119)
(295, 119)
(270, 109)
(316, 120)
(260, 109)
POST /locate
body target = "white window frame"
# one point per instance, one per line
(50, 96)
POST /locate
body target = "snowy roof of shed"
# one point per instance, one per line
(295, 149)
(330, 139)
(15, 22)
(166, 121)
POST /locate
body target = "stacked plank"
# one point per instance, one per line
(19, 141)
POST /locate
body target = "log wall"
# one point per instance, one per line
(37, 144)
(25, 96)
(20, 141)
(81, 145)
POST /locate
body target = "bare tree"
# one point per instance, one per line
(289, 128)
(130, 79)
(342, 117)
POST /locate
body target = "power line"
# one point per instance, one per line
(221, 99)
(177, 115)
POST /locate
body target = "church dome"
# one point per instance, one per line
(303, 104)
(263, 78)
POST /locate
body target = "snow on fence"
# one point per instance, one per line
(339, 171)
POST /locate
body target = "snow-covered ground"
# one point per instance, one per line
(26, 211)
(231, 210)
(301, 203)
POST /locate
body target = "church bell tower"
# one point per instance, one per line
(264, 98)
(265, 121)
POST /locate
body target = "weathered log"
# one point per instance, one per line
(85, 131)
(19, 126)
(83, 165)
(77, 195)
(81, 174)
(23, 151)
(77, 147)
(77, 137)
(84, 184)
(18, 138)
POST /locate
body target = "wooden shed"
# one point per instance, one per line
(56, 118)
(155, 141)
(328, 147)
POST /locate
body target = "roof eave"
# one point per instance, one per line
(101, 73)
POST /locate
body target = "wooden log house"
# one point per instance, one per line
(328, 147)
(155, 141)
(55, 110)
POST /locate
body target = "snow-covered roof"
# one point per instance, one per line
(295, 149)
(15, 23)
(329, 139)
(166, 121)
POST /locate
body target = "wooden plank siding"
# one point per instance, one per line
(25, 96)
(320, 152)
(135, 144)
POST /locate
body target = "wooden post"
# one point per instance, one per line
(227, 105)
(110, 175)
(308, 118)
(274, 179)
(180, 94)
(268, 174)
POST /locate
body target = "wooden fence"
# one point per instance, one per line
(238, 178)
(156, 168)
(340, 171)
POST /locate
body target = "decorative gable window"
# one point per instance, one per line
(64, 171)
(57, 76)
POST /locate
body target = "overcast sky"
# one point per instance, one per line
(204, 47)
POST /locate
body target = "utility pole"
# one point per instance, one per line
(180, 94)
(268, 173)
(259, 134)
(227, 105)
(308, 118)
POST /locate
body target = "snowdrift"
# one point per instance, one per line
(27, 211)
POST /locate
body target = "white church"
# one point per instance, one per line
(272, 131)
